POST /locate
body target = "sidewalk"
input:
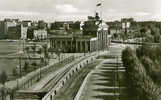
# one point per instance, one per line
(99, 85)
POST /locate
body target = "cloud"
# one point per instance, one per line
(112, 10)
(142, 14)
(66, 8)
(69, 9)
(18, 13)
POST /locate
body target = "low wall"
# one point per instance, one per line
(75, 69)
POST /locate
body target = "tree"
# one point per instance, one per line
(34, 47)
(45, 49)
(123, 36)
(42, 61)
(30, 33)
(46, 56)
(140, 86)
(26, 67)
(27, 49)
(34, 64)
(115, 35)
(142, 31)
(40, 51)
(14, 72)
(3, 92)
(3, 77)
(152, 70)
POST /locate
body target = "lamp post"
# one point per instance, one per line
(40, 66)
(20, 72)
(20, 58)
(59, 54)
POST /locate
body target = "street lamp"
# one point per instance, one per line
(59, 50)
(17, 84)
(40, 66)
(20, 58)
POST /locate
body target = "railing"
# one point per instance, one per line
(29, 79)
(138, 43)
(53, 92)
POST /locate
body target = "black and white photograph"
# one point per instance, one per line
(80, 49)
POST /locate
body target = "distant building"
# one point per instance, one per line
(90, 28)
(5, 25)
(71, 43)
(26, 23)
(62, 25)
(94, 37)
(2, 30)
(40, 34)
(36, 30)
(14, 32)
(114, 27)
(65, 27)
(127, 25)
(42, 24)
(48, 25)
(126, 22)
(30, 32)
(24, 32)
(9, 23)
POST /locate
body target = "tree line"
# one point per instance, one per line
(143, 72)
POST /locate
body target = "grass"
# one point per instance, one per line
(8, 47)
(5, 49)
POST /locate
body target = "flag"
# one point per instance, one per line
(99, 4)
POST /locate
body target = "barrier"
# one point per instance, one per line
(67, 76)
(34, 76)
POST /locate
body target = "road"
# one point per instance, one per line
(68, 92)
(106, 81)
(72, 86)
(49, 81)
(99, 73)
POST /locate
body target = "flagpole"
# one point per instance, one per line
(101, 9)
(101, 12)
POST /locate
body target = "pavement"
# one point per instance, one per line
(99, 84)
(71, 87)
(104, 82)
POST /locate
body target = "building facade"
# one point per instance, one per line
(94, 36)
(7, 26)
(23, 32)
(40, 34)
(72, 44)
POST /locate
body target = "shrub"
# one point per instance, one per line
(3, 77)
(139, 83)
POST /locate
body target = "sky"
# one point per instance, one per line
(51, 10)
